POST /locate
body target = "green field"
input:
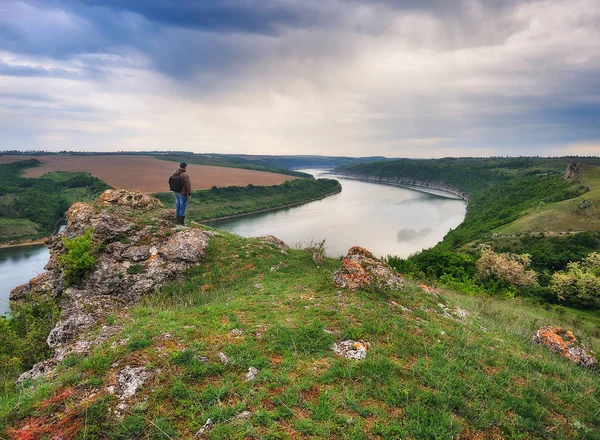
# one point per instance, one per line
(425, 376)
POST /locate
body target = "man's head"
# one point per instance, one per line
(183, 165)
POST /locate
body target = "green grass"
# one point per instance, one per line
(425, 376)
(231, 201)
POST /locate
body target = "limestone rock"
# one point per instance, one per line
(65, 330)
(274, 240)
(251, 374)
(79, 216)
(187, 245)
(223, 358)
(132, 259)
(131, 380)
(137, 253)
(107, 226)
(351, 349)
(42, 284)
(562, 341)
(575, 172)
(207, 427)
(244, 415)
(40, 369)
(131, 199)
(361, 269)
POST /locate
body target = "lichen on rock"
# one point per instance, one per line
(360, 269)
(562, 341)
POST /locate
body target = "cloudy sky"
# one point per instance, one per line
(414, 78)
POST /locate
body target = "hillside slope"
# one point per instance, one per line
(245, 340)
(580, 213)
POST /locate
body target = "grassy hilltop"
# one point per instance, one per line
(426, 375)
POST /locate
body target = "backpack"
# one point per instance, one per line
(175, 183)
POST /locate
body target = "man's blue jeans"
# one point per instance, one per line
(180, 204)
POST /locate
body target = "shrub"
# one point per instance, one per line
(506, 267)
(78, 260)
(580, 283)
(434, 264)
(23, 338)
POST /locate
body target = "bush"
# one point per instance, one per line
(505, 267)
(580, 284)
(23, 338)
(78, 260)
(434, 264)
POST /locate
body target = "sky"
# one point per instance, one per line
(414, 78)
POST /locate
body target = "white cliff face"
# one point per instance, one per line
(137, 251)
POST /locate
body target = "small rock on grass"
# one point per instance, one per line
(207, 427)
(223, 358)
(351, 349)
(131, 380)
(251, 374)
(244, 415)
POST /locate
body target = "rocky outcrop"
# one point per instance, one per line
(562, 341)
(575, 172)
(132, 199)
(360, 269)
(136, 252)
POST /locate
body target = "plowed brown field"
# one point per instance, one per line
(150, 175)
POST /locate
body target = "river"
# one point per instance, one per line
(387, 220)
(17, 266)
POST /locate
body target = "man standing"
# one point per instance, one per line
(184, 194)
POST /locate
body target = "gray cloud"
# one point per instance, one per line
(414, 78)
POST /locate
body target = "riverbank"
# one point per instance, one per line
(410, 184)
(290, 205)
(22, 243)
(219, 203)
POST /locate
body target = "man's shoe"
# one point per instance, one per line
(182, 220)
(178, 220)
